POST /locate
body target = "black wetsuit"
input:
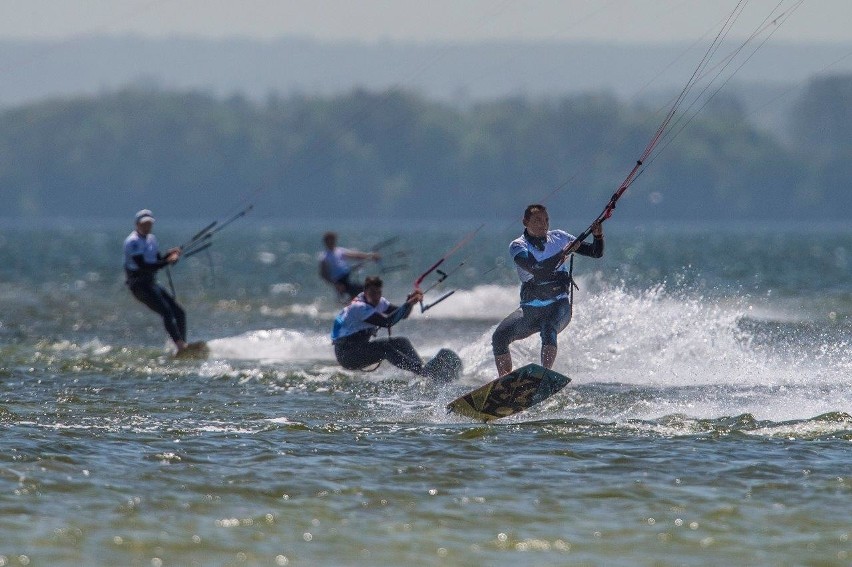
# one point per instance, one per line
(357, 324)
(142, 281)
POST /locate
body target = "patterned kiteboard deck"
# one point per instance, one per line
(519, 390)
(194, 351)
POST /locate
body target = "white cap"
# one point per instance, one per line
(144, 215)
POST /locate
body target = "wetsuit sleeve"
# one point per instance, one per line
(390, 317)
(593, 250)
(545, 267)
(538, 269)
(146, 267)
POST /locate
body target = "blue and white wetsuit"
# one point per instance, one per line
(142, 260)
(358, 323)
(545, 288)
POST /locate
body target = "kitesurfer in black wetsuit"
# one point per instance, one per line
(358, 323)
(545, 287)
(142, 260)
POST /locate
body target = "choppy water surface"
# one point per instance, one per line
(707, 422)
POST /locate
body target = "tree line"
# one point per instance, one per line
(395, 154)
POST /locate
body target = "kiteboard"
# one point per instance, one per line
(193, 351)
(519, 390)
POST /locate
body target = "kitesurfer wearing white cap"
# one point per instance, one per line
(142, 260)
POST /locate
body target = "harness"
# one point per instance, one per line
(559, 283)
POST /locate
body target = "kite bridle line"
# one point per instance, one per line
(665, 129)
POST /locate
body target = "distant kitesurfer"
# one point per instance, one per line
(356, 326)
(545, 287)
(334, 268)
(142, 260)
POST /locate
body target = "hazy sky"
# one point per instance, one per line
(453, 20)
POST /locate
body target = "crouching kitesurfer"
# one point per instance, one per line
(356, 326)
(142, 260)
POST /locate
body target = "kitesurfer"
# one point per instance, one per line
(356, 326)
(142, 260)
(545, 286)
(335, 269)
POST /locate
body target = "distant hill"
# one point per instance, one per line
(33, 70)
(394, 154)
(192, 123)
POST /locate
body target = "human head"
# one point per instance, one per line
(144, 221)
(528, 212)
(330, 239)
(536, 220)
(373, 289)
(144, 215)
(373, 281)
